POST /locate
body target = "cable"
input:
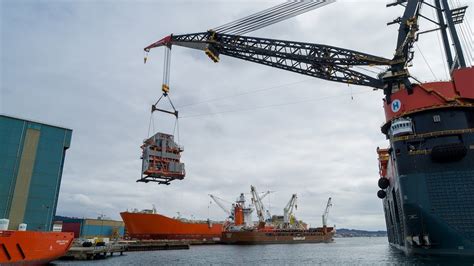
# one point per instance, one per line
(288, 15)
(247, 18)
(272, 105)
(280, 17)
(465, 42)
(243, 93)
(270, 16)
(440, 45)
(250, 19)
(467, 46)
(261, 19)
(149, 125)
(426, 61)
(368, 70)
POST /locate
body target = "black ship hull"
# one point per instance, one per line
(429, 204)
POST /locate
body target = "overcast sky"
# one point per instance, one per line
(79, 64)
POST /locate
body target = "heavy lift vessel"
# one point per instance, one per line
(427, 172)
(270, 229)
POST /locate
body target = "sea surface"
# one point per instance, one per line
(344, 251)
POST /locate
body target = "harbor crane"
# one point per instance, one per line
(326, 212)
(288, 210)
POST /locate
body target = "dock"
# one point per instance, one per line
(156, 245)
(95, 252)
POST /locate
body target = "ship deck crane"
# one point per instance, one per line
(219, 203)
(288, 210)
(259, 207)
(324, 61)
(326, 212)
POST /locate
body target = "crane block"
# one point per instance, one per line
(212, 52)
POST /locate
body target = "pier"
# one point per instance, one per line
(95, 252)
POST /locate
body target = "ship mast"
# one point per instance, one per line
(453, 17)
(408, 35)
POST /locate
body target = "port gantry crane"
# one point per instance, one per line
(324, 61)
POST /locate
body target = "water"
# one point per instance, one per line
(344, 251)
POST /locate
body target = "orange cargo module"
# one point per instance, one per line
(157, 226)
(28, 247)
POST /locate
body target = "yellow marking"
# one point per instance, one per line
(211, 55)
(165, 88)
(23, 178)
(419, 152)
(435, 134)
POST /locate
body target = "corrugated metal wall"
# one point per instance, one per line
(104, 228)
(31, 164)
(89, 228)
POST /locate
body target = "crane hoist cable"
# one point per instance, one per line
(165, 88)
(270, 16)
(264, 22)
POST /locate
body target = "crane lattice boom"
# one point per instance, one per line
(326, 213)
(220, 204)
(288, 210)
(316, 60)
(259, 207)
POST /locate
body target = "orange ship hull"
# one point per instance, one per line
(157, 226)
(28, 247)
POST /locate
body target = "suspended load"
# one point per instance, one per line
(161, 159)
(160, 153)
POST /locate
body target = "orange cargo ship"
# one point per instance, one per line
(28, 247)
(156, 226)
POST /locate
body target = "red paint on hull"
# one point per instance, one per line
(157, 226)
(28, 247)
(456, 93)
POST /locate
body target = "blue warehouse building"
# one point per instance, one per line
(90, 228)
(31, 165)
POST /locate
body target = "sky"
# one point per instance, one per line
(79, 64)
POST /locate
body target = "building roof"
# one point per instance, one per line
(33, 121)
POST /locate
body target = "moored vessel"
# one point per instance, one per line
(278, 236)
(30, 247)
(285, 229)
(151, 225)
